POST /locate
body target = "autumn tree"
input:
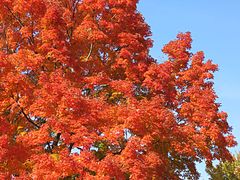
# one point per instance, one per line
(81, 98)
(228, 170)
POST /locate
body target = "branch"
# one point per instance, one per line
(6, 109)
(49, 148)
(70, 147)
(57, 138)
(28, 119)
(90, 52)
(24, 114)
(19, 20)
(81, 149)
(30, 39)
(113, 16)
(74, 6)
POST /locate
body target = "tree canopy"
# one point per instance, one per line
(81, 98)
(228, 170)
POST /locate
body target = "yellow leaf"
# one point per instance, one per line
(19, 128)
(55, 157)
(23, 133)
(116, 93)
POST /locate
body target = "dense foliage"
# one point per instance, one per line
(80, 96)
(228, 170)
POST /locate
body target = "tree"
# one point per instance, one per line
(228, 170)
(81, 98)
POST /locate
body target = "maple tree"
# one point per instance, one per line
(81, 98)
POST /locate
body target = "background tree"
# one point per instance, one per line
(82, 98)
(228, 170)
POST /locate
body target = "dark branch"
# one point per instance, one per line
(56, 140)
(28, 119)
(49, 149)
(18, 19)
(70, 147)
(30, 39)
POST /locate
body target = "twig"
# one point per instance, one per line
(24, 114)
(57, 138)
(49, 148)
(28, 119)
(30, 39)
(70, 147)
(19, 20)
(90, 52)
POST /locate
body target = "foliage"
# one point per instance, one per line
(228, 170)
(81, 98)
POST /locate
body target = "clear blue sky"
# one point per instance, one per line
(215, 28)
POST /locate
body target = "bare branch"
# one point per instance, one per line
(24, 114)
(56, 140)
(70, 147)
(89, 53)
(49, 149)
(28, 119)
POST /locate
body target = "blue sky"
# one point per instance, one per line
(215, 28)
